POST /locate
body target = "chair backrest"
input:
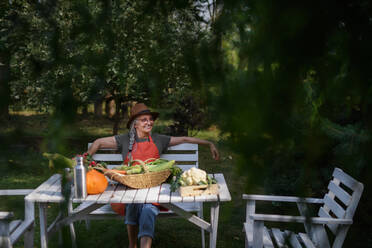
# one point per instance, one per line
(341, 200)
(17, 228)
(186, 156)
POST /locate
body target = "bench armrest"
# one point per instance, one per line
(6, 215)
(15, 191)
(282, 199)
(299, 219)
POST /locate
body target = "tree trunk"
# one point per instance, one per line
(98, 107)
(217, 34)
(110, 108)
(107, 99)
(85, 110)
(4, 84)
(124, 110)
(117, 118)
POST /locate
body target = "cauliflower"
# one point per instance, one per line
(194, 176)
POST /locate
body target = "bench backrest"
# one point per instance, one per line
(341, 201)
(186, 156)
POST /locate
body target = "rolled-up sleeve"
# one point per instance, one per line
(119, 141)
(162, 142)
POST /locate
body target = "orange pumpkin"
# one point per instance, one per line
(96, 182)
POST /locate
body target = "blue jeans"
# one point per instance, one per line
(143, 215)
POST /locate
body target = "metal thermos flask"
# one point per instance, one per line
(80, 184)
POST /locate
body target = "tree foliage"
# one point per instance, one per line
(294, 91)
(131, 51)
(289, 82)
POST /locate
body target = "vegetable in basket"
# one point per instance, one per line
(144, 166)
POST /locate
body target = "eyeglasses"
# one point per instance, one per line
(143, 120)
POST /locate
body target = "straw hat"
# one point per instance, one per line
(140, 109)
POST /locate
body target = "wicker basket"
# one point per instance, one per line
(139, 181)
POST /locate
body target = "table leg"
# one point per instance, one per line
(43, 225)
(29, 215)
(201, 216)
(4, 234)
(72, 228)
(215, 208)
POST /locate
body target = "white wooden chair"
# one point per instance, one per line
(186, 156)
(335, 216)
(12, 230)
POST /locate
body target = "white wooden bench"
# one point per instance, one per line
(336, 213)
(12, 230)
(186, 156)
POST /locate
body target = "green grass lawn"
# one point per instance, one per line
(22, 166)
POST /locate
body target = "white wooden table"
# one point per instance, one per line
(50, 192)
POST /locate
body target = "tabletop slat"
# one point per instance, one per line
(188, 199)
(176, 197)
(49, 191)
(129, 196)
(224, 193)
(89, 198)
(57, 195)
(141, 195)
(153, 194)
(50, 194)
(34, 196)
(106, 196)
(118, 194)
(165, 191)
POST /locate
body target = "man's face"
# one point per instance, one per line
(144, 123)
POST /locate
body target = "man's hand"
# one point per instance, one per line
(214, 151)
